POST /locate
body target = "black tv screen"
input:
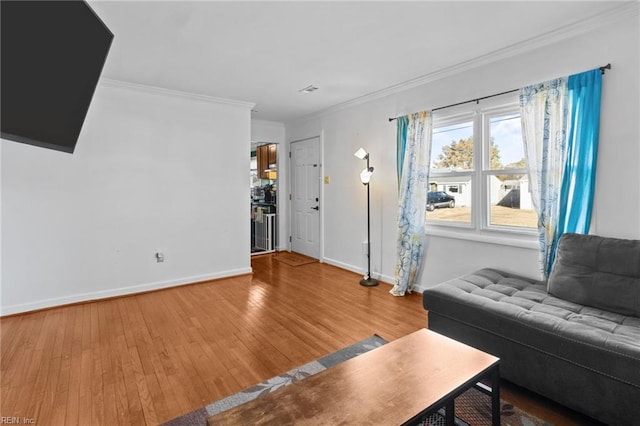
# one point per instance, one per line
(52, 55)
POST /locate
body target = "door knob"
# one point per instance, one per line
(316, 208)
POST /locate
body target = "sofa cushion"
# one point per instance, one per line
(599, 272)
(521, 311)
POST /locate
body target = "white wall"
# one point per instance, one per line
(267, 131)
(152, 171)
(617, 205)
(263, 131)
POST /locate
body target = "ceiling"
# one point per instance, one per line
(265, 52)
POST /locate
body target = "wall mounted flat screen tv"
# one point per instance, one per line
(52, 54)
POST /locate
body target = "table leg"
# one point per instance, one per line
(450, 413)
(495, 397)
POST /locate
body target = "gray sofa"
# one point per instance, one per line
(575, 340)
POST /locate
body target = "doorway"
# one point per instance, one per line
(263, 175)
(305, 197)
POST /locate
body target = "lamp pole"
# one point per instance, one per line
(368, 281)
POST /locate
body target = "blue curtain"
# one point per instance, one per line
(414, 150)
(560, 125)
(402, 124)
(578, 186)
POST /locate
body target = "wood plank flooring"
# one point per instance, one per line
(148, 358)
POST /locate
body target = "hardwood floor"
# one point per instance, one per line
(148, 358)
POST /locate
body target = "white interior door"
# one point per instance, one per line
(305, 197)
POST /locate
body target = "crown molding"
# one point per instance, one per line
(107, 82)
(627, 10)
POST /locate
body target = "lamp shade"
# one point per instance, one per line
(365, 175)
(361, 153)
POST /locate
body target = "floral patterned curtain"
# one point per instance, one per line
(414, 152)
(544, 109)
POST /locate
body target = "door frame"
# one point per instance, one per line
(278, 223)
(320, 139)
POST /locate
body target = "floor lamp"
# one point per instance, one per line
(365, 177)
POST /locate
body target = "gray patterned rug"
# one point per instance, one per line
(472, 406)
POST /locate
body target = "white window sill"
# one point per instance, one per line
(513, 239)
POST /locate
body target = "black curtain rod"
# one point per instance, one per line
(477, 100)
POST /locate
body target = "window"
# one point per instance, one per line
(452, 166)
(507, 181)
(478, 177)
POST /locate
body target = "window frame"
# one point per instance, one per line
(480, 227)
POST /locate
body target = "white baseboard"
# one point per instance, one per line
(384, 278)
(387, 279)
(343, 265)
(419, 289)
(122, 291)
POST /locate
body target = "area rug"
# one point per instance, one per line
(294, 259)
(472, 407)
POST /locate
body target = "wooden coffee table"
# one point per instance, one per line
(398, 383)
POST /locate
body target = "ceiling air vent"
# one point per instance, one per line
(308, 89)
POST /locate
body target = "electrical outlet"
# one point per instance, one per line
(159, 257)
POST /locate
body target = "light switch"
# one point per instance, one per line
(327, 180)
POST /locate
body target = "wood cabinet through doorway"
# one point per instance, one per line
(267, 158)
